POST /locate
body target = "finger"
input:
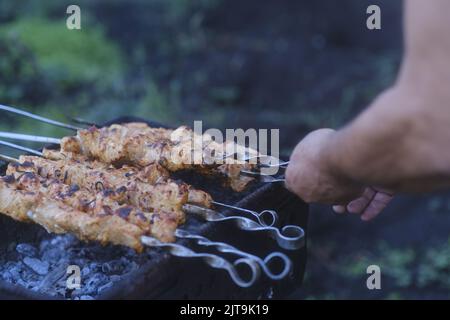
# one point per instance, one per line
(378, 203)
(360, 204)
(339, 209)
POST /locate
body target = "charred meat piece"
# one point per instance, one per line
(148, 189)
(57, 217)
(158, 223)
(140, 145)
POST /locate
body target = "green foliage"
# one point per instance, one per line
(67, 57)
(395, 263)
(435, 269)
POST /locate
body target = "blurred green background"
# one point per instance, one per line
(290, 64)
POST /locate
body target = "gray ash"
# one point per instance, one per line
(41, 266)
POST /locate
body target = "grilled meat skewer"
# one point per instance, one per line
(138, 144)
(94, 173)
(116, 177)
(159, 223)
(145, 189)
(57, 217)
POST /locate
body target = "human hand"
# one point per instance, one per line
(313, 178)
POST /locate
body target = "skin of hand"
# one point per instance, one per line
(315, 181)
(400, 143)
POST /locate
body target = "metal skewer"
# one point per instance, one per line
(28, 137)
(266, 218)
(262, 177)
(39, 118)
(75, 128)
(21, 148)
(215, 261)
(259, 160)
(290, 237)
(212, 260)
(227, 248)
(8, 159)
(33, 138)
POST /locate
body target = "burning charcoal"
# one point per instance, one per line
(7, 276)
(64, 241)
(52, 277)
(104, 287)
(26, 249)
(52, 254)
(77, 293)
(61, 291)
(113, 267)
(14, 269)
(29, 276)
(131, 266)
(33, 285)
(44, 245)
(94, 283)
(94, 267)
(85, 271)
(38, 266)
(115, 278)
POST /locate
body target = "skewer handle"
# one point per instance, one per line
(290, 237)
(227, 248)
(212, 260)
(266, 218)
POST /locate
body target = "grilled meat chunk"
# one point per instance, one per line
(148, 189)
(141, 145)
(57, 217)
(158, 223)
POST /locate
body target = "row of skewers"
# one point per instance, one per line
(114, 185)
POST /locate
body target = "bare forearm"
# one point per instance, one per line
(402, 140)
(394, 144)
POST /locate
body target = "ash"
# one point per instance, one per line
(42, 267)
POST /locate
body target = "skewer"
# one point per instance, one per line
(262, 177)
(27, 137)
(212, 260)
(21, 148)
(8, 159)
(83, 121)
(290, 237)
(226, 248)
(265, 218)
(39, 118)
(266, 164)
(58, 226)
(33, 138)
(71, 127)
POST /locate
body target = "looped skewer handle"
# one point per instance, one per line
(290, 237)
(211, 259)
(227, 248)
(266, 218)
